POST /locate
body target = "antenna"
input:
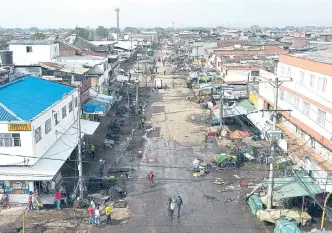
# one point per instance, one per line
(117, 10)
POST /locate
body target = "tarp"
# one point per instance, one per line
(285, 226)
(255, 204)
(93, 108)
(239, 134)
(286, 187)
(122, 78)
(275, 214)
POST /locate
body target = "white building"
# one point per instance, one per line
(98, 64)
(38, 132)
(31, 52)
(308, 97)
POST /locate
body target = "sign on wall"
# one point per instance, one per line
(19, 127)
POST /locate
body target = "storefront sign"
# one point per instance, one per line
(19, 127)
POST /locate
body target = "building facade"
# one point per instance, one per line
(28, 52)
(308, 98)
(38, 132)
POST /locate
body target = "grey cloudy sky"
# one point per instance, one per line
(150, 13)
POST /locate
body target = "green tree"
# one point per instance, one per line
(113, 30)
(34, 29)
(130, 30)
(38, 36)
(81, 32)
(101, 32)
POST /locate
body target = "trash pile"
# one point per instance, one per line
(198, 167)
(224, 160)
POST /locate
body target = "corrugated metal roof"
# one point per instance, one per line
(30, 96)
(6, 116)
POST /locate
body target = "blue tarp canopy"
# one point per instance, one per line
(93, 108)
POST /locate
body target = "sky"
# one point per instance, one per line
(162, 13)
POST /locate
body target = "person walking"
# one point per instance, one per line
(171, 207)
(91, 211)
(93, 147)
(179, 204)
(30, 200)
(58, 199)
(108, 212)
(97, 216)
(5, 199)
(151, 176)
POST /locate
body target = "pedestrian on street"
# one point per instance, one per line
(30, 200)
(171, 207)
(97, 216)
(179, 204)
(164, 72)
(58, 199)
(93, 150)
(108, 212)
(91, 211)
(5, 199)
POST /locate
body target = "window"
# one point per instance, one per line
(302, 77)
(48, 126)
(321, 117)
(282, 94)
(296, 101)
(306, 108)
(312, 143)
(64, 112)
(322, 84)
(282, 71)
(289, 72)
(29, 49)
(56, 121)
(312, 80)
(75, 102)
(38, 135)
(70, 106)
(10, 140)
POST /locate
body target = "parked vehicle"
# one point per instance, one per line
(158, 83)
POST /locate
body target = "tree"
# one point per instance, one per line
(81, 32)
(38, 36)
(113, 30)
(255, 28)
(101, 32)
(130, 30)
(34, 29)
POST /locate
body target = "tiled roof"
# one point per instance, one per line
(6, 116)
(30, 96)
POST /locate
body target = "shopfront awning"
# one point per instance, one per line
(229, 111)
(286, 187)
(51, 162)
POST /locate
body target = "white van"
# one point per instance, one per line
(158, 83)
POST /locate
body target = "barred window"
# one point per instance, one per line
(10, 140)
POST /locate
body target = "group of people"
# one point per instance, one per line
(171, 204)
(95, 214)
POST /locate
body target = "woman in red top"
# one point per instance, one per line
(58, 199)
(30, 200)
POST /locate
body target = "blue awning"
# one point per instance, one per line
(93, 108)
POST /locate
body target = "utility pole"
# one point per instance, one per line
(274, 135)
(136, 106)
(128, 103)
(79, 146)
(221, 108)
(271, 170)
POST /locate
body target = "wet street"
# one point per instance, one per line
(168, 152)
